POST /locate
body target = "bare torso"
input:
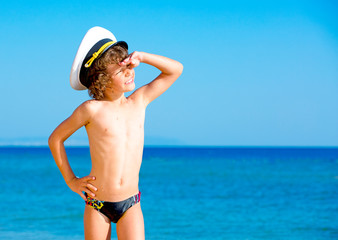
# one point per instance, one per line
(116, 137)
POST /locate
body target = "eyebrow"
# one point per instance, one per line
(118, 70)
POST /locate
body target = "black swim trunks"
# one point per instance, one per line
(113, 210)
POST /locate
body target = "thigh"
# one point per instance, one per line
(96, 225)
(131, 225)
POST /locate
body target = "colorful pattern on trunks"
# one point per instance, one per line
(96, 204)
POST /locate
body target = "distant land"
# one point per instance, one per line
(83, 141)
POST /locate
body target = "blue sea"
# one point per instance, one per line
(187, 193)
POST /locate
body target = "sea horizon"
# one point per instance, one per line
(181, 146)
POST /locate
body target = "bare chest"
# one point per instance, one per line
(118, 123)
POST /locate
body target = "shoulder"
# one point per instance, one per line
(137, 97)
(87, 109)
(90, 105)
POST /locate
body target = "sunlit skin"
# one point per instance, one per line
(115, 128)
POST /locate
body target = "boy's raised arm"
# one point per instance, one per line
(56, 140)
(170, 71)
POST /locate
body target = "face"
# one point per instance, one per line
(122, 78)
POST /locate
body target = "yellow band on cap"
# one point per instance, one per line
(96, 54)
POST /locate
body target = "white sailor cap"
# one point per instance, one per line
(96, 41)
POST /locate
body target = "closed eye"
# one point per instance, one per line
(123, 68)
(119, 71)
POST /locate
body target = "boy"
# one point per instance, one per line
(115, 129)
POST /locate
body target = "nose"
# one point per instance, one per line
(128, 72)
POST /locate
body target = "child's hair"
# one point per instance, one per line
(97, 74)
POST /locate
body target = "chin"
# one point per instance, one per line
(131, 87)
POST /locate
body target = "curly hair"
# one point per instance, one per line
(97, 74)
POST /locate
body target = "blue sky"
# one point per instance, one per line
(257, 73)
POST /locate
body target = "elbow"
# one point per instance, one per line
(53, 140)
(180, 68)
